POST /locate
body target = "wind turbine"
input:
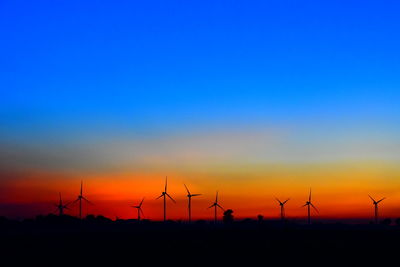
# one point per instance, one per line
(139, 209)
(164, 194)
(189, 195)
(282, 204)
(216, 205)
(60, 206)
(80, 197)
(376, 207)
(308, 204)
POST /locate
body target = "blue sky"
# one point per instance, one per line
(101, 71)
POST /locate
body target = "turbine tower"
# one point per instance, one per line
(376, 207)
(282, 204)
(189, 195)
(60, 206)
(308, 204)
(80, 197)
(216, 205)
(139, 210)
(164, 195)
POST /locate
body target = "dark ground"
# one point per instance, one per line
(49, 241)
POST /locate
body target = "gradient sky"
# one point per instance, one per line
(254, 98)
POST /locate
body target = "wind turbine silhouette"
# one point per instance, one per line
(282, 204)
(80, 197)
(139, 209)
(164, 194)
(308, 204)
(376, 207)
(189, 195)
(60, 206)
(216, 205)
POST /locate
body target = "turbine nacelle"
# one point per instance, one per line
(164, 195)
(79, 199)
(216, 205)
(60, 206)
(139, 209)
(189, 195)
(308, 205)
(282, 203)
(376, 202)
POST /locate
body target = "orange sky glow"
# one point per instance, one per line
(340, 190)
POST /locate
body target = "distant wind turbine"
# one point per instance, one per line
(308, 204)
(189, 195)
(60, 206)
(164, 195)
(80, 197)
(282, 204)
(216, 205)
(139, 209)
(376, 207)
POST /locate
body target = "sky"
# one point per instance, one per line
(256, 99)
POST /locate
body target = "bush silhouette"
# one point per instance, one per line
(228, 217)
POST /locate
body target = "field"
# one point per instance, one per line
(128, 243)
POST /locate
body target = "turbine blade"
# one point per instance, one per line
(278, 200)
(73, 202)
(195, 195)
(81, 187)
(216, 198)
(141, 202)
(219, 206)
(68, 203)
(372, 198)
(381, 200)
(141, 211)
(309, 197)
(159, 196)
(286, 201)
(314, 207)
(166, 184)
(87, 201)
(187, 189)
(304, 205)
(171, 198)
(211, 206)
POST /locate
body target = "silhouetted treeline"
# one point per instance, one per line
(68, 221)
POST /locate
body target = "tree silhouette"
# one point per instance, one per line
(228, 217)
